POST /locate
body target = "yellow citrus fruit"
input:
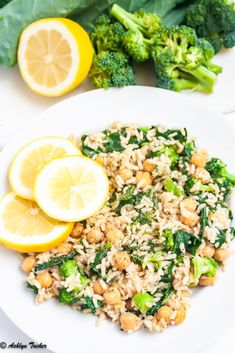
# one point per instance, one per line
(25, 227)
(32, 157)
(54, 56)
(71, 188)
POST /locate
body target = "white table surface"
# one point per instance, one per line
(18, 105)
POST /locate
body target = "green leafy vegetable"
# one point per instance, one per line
(100, 255)
(19, 14)
(65, 297)
(114, 142)
(33, 288)
(89, 304)
(56, 261)
(190, 242)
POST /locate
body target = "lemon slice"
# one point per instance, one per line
(26, 228)
(71, 188)
(32, 157)
(54, 56)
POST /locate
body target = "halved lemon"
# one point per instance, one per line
(71, 188)
(25, 227)
(54, 56)
(32, 157)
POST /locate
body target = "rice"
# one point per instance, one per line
(160, 246)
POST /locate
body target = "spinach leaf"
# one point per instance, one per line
(89, 304)
(33, 288)
(166, 296)
(100, 255)
(4, 2)
(102, 6)
(167, 277)
(178, 135)
(55, 261)
(191, 243)
(88, 151)
(127, 199)
(204, 220)
(137, 259)
(19, 14)
(161, 7)
(220, 238)
(144, 218)
(114, 142)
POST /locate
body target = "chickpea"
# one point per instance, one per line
(148, 165)
(94, 236)
(97, 288)
(28, 263)
(203, 175)
(189, 204)
(190, 220)
(207, 281)
(112, 296)
(208, 251)
(100, 160)
(199, 158)
(122, 260)
(64, 248)
(180, 316)
(44, 279)
(77, 230)
(221, 255)
(165, 313)
(125, 174)
(143, 179)
(114, 235)
(129, 321)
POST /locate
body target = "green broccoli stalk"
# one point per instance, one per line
(143, 301)
(213, 20)
(218, 169)
(170, 186)
(191, 181)
(182, 61)
(204, 266)
(111, 66)
(140, 28)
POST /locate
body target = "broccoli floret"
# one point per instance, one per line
(190, 182)
(182, 61)
(106, 34)
(112, 69)
(140, 28)
(213, 20)
(111, 66)
(169, 238)
(65, 297)
(68, 268)
(170, 152)
(218, 169)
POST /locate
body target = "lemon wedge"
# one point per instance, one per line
(32, 157)
(54, 56)
(71, 188)
(26, 228)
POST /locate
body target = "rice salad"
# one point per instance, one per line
(165, 228)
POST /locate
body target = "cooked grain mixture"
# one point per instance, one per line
(165, 229)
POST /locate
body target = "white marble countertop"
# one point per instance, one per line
(18, 106)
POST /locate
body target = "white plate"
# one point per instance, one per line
(64, 330)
